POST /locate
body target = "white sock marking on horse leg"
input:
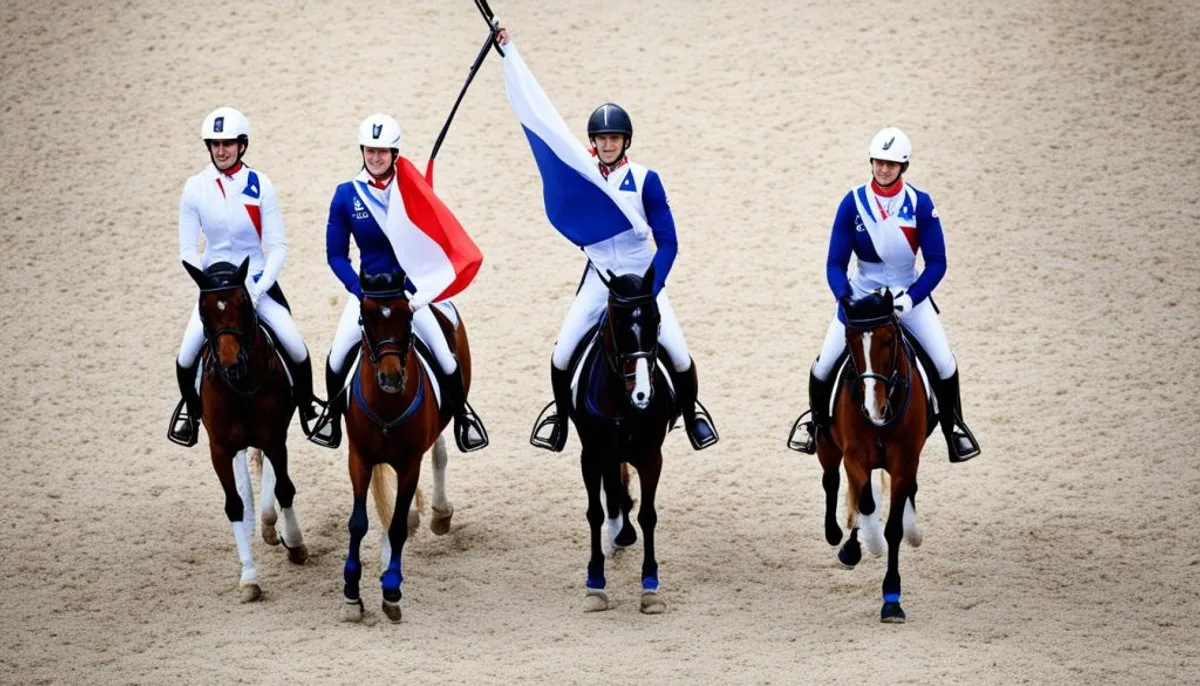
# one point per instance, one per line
(615, 524)
(291, 528)
(385, 550)
(267, 508)
(872, 530)
(242, 538)
(440, 460)
(245, 489)
(911, 533)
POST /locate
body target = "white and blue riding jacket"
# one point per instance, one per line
(903, 207)
(359, 210)
(632, 251)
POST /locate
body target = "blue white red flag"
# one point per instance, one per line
(579, 202)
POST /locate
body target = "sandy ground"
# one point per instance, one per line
(1059, 140)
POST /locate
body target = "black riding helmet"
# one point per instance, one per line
(611, 118)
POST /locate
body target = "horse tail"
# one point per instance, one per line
(383, 491)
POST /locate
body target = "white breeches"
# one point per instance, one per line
(425, 323)
(589, 306)
(271, 312)
(922, 322)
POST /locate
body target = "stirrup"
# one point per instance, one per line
(548, 417)
(304, 426)
(962, 444)
(183, 430)
(702, 416)
(327, 431)
(464, 422)
(808, 445)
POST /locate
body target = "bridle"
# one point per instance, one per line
(244, 335)
(896, 381)
(618, 361)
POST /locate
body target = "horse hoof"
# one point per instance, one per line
(595, 601)
(440, 524)
(891, 614)
(626, 538)
(392, 610)
(298, 555)
(850, 555)
(352, 611)
(652, 604)
(269, 534)
(251, 592)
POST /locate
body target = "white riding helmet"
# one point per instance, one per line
(225, 124)
(892, 145)
(379, 131)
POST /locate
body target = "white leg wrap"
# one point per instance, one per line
(440, 460)
(614, 527)
(268, 490)
(385, 550)
(911, 533)
(291, 528)
(242, 538)
(872, 530)
(245, 489)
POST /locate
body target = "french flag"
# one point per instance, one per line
(433, 248)
(579, 202)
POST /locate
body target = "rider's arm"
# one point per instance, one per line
(841, 246)
(933, 250)
(337, 245)
(189, 226)
(273, 237)
(662, 224)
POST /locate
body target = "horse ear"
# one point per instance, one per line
(197, 275)
(243, 270)
(648, 279)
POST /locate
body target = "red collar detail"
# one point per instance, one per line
(228, 173)
(381, 185)
(605, 170)
(889, 192)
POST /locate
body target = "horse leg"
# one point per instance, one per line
(857, 481)
(222, 461)
(593, 469)
(831, 461)
(245, 487)
(266, 508)
(392, 577)
(443, 509)
(291, 536)
(621, 532)
(868, 505)
(891, 613)
(360, 482)
(648, 475)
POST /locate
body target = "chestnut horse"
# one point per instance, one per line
(246, 401)
(622, 410)
(881, 418)
(392, 419)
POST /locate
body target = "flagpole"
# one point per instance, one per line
(470, 77)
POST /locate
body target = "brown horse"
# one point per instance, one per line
(246, 401)
(392, 418)
(881, 418)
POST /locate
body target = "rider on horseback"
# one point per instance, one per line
(236, 210)
(611, 132)
(359, 210)
(883, 224)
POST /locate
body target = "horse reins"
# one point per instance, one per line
(894, 381)
(243, 337)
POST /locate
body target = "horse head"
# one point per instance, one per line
(874, 342)
(631, 334)
(228, 315)
(386, 320)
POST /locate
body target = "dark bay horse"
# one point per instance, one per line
(623, 409)
(881, 418)
(247, 401)
(392, 419)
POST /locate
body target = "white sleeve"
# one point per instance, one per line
(274, 240)
(189, 225)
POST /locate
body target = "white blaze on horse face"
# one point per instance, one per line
(641, 384)
(386, 312)
(869, 402)
(221, 305)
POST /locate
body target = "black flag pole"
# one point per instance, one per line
(483, 51)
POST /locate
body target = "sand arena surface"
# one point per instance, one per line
(1059, 141)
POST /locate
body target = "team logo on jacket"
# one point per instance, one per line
(628, 184)
(358, 206)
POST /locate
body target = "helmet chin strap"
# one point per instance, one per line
(242, 147)
(612, 165)
(391, 168)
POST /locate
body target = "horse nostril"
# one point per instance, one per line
(641, 395)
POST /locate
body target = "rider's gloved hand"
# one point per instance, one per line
(902, 302)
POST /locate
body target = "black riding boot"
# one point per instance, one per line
(560, 420)
(302, 393)
(818, 408)
(328, 431)
(469, 433)
(696, 421)
(959, 439)
(185, 422)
